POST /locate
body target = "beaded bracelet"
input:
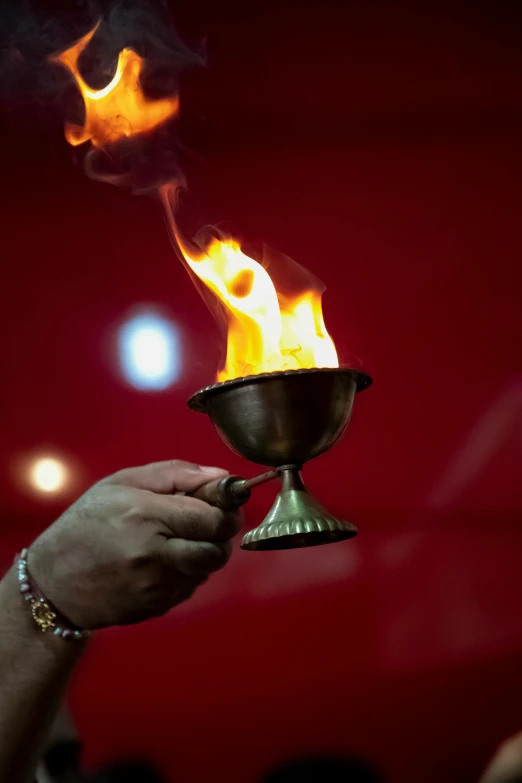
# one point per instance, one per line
(44, 614)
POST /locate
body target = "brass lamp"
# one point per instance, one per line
(282, 420)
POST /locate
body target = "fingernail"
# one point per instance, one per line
(207, 469)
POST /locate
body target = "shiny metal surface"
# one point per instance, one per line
(279, 418)
(296, 520)
(282, 420)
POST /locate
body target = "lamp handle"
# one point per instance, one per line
(226, 493)
(232, 491)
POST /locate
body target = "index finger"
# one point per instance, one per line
(166, 478)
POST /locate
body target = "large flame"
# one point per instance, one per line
(266, 331)
(118, 110)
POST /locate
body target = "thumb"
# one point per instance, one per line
(167, 477)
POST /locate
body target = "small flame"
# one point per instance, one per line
(266, 331)
(118, 110)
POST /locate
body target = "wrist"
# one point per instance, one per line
(17, 615)
(45, 615)
(17, 620)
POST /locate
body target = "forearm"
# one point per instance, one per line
(135, 545)
(34, 670)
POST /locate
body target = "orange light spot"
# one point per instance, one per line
(243, 283)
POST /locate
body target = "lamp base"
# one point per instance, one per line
(296, 520)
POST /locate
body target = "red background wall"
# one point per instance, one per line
(379, 146)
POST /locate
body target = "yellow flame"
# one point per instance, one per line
(118, 110)
(266, 332)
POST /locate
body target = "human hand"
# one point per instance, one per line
(131, 548)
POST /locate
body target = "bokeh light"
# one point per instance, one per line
(149, 352)
(48, 475)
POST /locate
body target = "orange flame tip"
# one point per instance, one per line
(120, 109)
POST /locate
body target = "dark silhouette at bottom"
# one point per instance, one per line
(324, 770)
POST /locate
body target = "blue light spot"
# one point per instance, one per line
(150, 352)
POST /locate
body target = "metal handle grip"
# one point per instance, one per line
(232, 491)
(226, 493)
